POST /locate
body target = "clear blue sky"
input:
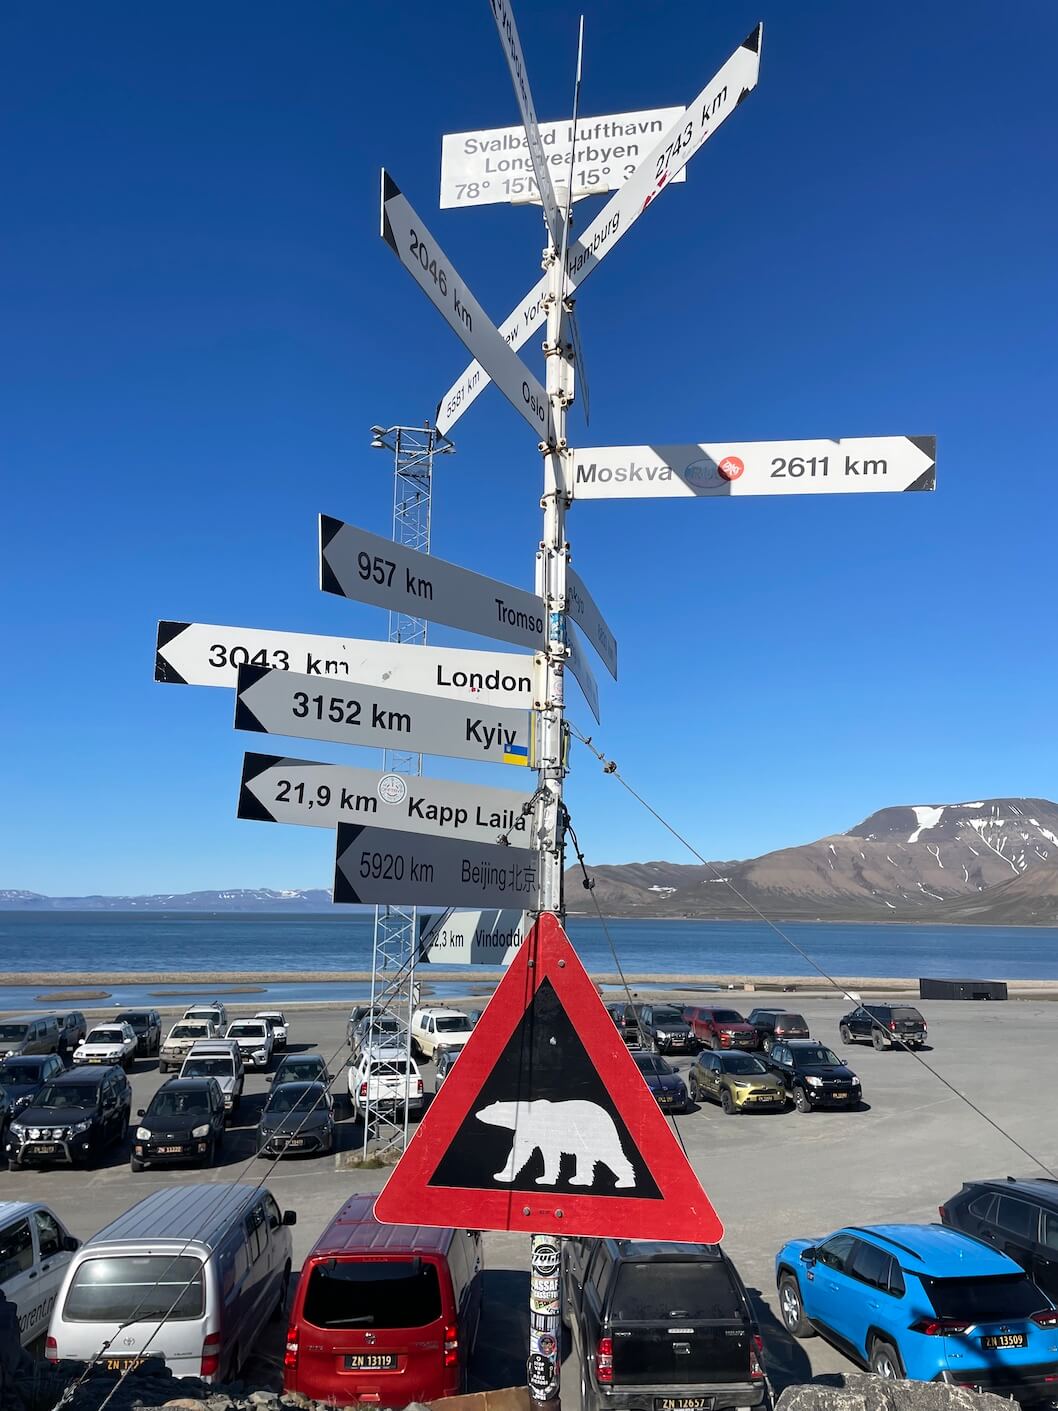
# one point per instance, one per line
(200, 323)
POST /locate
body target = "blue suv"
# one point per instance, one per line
(924, 1302)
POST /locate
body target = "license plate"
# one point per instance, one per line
(371, 1361)
(296, 1141)
(123, 1364)
(170, 1150)
(839, 1097)
(46, 1148)
(683, 1403)
(1005, 1340)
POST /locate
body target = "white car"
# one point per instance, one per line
(181, 1039)
(278, 1021)
(213, 1013)
(110, 1043)
(255, 1040)
(389, 1076)
(37, 1247)
(432, 1028)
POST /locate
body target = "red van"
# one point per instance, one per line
(384, 1313)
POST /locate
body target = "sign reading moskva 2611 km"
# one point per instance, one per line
(379, 866)
(865, 464)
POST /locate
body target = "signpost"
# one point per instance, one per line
(473, 937)
(383, 865)
(287, 703)
(856, 465)
(581, 607)
(276, 789)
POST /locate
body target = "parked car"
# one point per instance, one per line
(663, 1029)
(444, 1060)
(255, 1039)
(210, 1264)
(775, 1024)
(626, 1019)
(213, 1013)
(72, 1028)
(184, 1124)
(146, 1024)
(386, 1312)
(437, 1025)
(660, 1325)
(1019, 1218)
(376, 1029)
(356, 1014)
(664, 1082)
(300, 1068)
(181, 1039)
(813, 1075)
(884, 1025)
(720, 1028)
(922, 1302)
(298, 1117)
(35, 1248)
(29, 1033)
(6, 1111)
(72, 1120)
(220, 1059)
(21, 1078)
(107, 1044)
(278, 1021)
(739, 1082)
(384, 1080)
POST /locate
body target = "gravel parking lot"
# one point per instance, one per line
(771, 1176)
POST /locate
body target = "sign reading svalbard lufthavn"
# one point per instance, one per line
(383, 867)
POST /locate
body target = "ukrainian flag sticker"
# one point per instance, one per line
(516, 754)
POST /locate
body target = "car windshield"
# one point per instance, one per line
(67, 1095)
(13, 1031)
(908, 1016)
(655, 1066)
(222, 1067)
(375, 1293)
(667, 1014)
(689, 1289)
(452, 1024)
(743, 1064)
(304, 1068)
(189, 1031)
(105, 1036)
(179, 1103)
(790, 1021)
(20, 1070)
(291, 1099)
(134, 1021)
(249, 1029)
(388, 1068)
(727, 1016)
(813, 1055)
(984, 1299)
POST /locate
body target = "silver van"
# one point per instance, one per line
(35, 1248)
(29, 1033)
(191, 1274)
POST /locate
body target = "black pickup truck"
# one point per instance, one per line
(660, 1327)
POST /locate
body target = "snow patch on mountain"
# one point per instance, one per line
(926, 816)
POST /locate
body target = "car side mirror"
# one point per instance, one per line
(270, 1078)
(808, 1256)
(290, 1217)
(70, 1243)
(141, 1112)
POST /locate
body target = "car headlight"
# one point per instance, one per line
(16, 1129)
(814, 1082)
(202, 1131)
(661, 1033)
(80, 1127)
(260, 1054)
(20, 1102)
(143, 1134)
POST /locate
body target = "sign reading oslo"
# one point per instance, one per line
(286, 703)
(382, 867)
(545, 1123)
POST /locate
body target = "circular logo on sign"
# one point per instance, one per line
(392, 789)
(545, 1260)
(701, 473)
(731, 467)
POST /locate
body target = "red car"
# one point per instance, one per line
(721, 1028)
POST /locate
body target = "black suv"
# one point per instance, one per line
(660, 1324)
(23, 1076)
(72, 1119)
(626, 1019)
(146, 1024)
(1019, 1218)
(663, 1029)
(775, 1024)
(813, 1075)
(884, 1025)
(184, 1123)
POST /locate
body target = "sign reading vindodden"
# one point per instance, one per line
(378, 866)
(473, 937)
(864, 464)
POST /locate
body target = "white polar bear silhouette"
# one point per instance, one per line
(556, 1129)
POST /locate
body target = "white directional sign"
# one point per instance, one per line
(694, 126)
(493, 165)
(200, 654)
(582, 609)
(512, 51)
(381, 866)
(437, 277)
(473, 937)
(275, 789)
(287, 703)
(356, 564)
(864, 464)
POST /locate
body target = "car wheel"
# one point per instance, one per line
(727, 1102)
(284, 1290)
(653, 1045)
(800, 1100)
(885, 1360)
(878, 1040)
(12, 1164)
(163, 1067)
(692, 1086)
(135, 1165)
(765, 1043)
(791, 1309)
(211, 1153)
(846, 1034)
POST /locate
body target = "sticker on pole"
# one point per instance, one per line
(545, 1123)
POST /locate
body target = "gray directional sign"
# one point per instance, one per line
(583, 610)
(379, 866)
(473, 937)
(276, 789)
(286, 703)
(356, 564)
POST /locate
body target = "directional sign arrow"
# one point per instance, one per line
(581, 607)
(275, 789)
(287, 703)
(436, 276)
(381, 866)
(716, 102)
(201, 654)
(865, 464)
(512, 50)
(473, 937)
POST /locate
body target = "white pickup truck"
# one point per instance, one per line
(255, 1040)
(384, 1079)
(438, 1027)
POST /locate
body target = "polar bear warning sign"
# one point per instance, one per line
(545, 1122)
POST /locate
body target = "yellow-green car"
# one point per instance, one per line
(737, 1081)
